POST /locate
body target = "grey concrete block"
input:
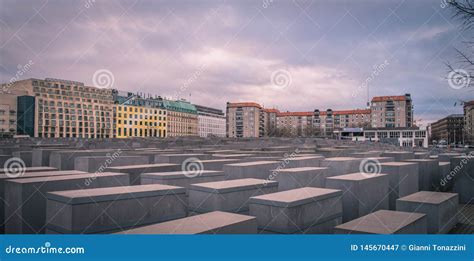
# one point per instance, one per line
(462, 172)
(25, 156)
(64, 159)
(256, 169)
(362, 193)
(428, 174)
(403, 180)
(216, 222)
(229, 196)
(422, 155)
(444, 170)
(134, 171)
(341, 165)
(366, 154)
(385, 222)
(25, 199)
(448, 156)
(399, 155)
(217, 164)
(30, 169)
(31, 174)
(300, 162)
(440, 208)
(298, 210)
(101, 163)
(293, 178)
(179, 158)
(40, 157)
(181, 178)
(102, 210)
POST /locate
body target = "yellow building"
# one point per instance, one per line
(138, 117)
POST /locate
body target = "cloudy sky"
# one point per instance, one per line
(290, 55)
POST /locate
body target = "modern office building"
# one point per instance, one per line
(244, 120)
(8, 112)
(403, 137)
(62, 108)
(469, 122)
(135, 116)
(182, 118)
(392, 111)
(211, 122)
(449, 129)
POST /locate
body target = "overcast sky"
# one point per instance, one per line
(291, 55)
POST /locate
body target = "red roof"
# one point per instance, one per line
(244, 104)
(295, 113)
(309, 113)
(271, 110)
(356, 111)
(389, 98)
(469, 103)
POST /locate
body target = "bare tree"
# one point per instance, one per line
(461, 74)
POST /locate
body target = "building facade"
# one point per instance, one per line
(244, 120)
(403, 137)
(469, 122)
(182, 118)
(135, 116)
(449, 129)
(63, 108)
(211, 122)
(392, 111)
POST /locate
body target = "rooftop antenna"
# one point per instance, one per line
(368, 95)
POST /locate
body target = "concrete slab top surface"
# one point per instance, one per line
(142, 166)
(183, 154)
(233, 185)
(301, 169)
(357, 176)
(428, 197)
(67, 177)
(219, 160)
(397, 164)
(233, 155)
(444, 163)
(192, 225)
(305, 158)
(421, 160)
(295, 197)
(398, 152)
(82, 196)
(44, 174)
(341, 159)
(32, 169)
(382, 222)
(182, 174)
(253, 163)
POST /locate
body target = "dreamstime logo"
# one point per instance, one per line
(457, 169)
(22, 69)
(281, 78)
(189, 81)
(266, 3)
(192, 167)
(14, 167)
(107, 163)
(444, 3)
(370, 167)
(377, 69)
(89, 3)
(459, 79)
(282, 165)
(103, 78)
